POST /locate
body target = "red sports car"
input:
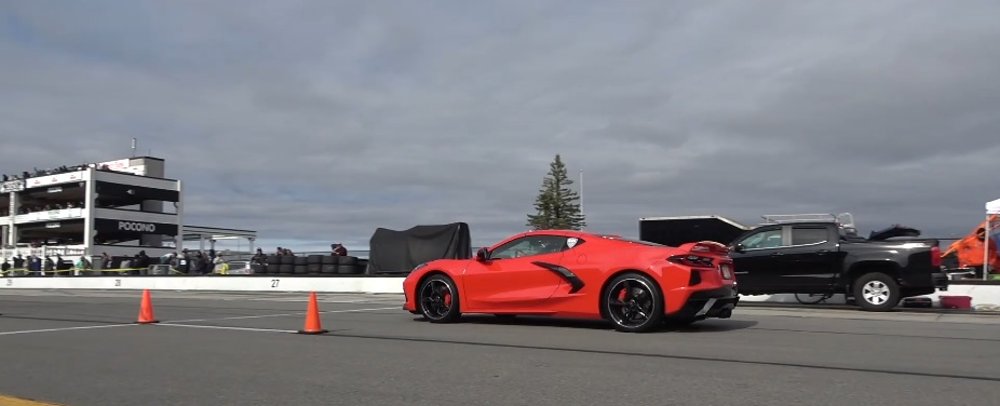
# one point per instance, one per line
(636, 285)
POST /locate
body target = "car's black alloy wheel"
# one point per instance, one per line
(633, 303)
(438, 299)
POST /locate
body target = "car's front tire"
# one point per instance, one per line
(633, 303)
(437, 299)
(876, 291)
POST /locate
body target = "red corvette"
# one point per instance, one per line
(636, 285)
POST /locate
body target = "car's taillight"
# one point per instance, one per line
(935, 256)
(692, 260)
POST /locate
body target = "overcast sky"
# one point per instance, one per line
(319, 121)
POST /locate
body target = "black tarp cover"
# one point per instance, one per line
(894, 230)
(393, 251)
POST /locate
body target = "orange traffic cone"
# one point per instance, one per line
(313, 325)
(146, 309)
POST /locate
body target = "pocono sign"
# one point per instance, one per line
(136, 226)
(132, 227)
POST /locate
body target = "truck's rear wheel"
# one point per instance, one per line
(876, 292)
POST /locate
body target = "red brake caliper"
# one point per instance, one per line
(447, 299)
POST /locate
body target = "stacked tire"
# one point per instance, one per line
(349, 266)
(328, 265)
(286, 264)
(318, 265)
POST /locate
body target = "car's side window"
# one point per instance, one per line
(530, 245)
(764, 239)
(809, 235)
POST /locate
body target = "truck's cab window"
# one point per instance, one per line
(764, 239)
(809, 235)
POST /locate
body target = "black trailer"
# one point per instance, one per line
(674, 231)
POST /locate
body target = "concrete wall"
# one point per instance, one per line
(987, 295)
(214, 283)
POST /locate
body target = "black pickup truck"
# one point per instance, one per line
(825, 258)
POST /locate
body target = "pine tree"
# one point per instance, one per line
(557, 206)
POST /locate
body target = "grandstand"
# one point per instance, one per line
(119, 208)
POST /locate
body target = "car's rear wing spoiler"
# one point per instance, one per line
(706, 246)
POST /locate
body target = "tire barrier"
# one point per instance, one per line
(152, 270)
(310, 265)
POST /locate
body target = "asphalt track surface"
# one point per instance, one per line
(82, 348)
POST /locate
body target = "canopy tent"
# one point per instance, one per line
(992, 209)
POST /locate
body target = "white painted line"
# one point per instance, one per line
(51, 330)
(268, 330)
(172, 323)
(320, 300)
(263, 316)
(400, 307)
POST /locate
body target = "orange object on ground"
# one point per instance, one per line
(313, 324)
(969, 250)
(146, 309)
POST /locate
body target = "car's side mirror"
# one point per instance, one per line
(482, 254)
(739, 248)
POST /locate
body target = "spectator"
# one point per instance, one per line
(259, 257)
(184, 262)
(221, 266)
(105, 262)
(61, 264)
(49, 265)
(82, 265)
(339, 249)
(207, 266)
(195, 264)
(35, 265)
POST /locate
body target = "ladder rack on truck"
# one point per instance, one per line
(843, 219)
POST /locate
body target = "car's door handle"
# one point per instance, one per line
(822, 252)
(777, 254)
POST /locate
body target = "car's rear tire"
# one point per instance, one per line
(437, 299)
(876, 292)
(632, 302)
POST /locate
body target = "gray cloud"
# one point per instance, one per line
(314, 122)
